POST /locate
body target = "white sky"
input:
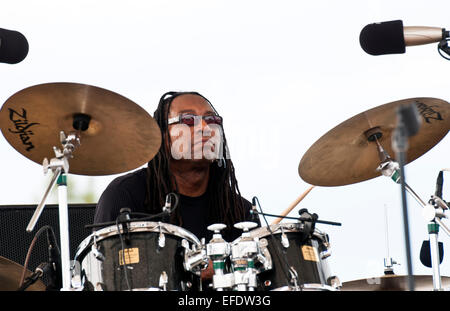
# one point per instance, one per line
(281, 73)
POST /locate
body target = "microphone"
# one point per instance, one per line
(13, 46)
(439, 182)
(392, 37)
(254, 211)
(410, 117)
(54, 263)
(425, 253)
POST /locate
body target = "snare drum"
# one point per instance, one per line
(147, 256)
(294, 259)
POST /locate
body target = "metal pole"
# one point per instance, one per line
(64, 232)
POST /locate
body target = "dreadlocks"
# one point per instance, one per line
(225, 202)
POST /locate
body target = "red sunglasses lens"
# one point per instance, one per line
(187, 119)
(213, 120)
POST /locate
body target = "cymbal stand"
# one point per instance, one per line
(60, 168)
(433, 211)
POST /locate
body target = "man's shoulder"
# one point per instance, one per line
(128, 180)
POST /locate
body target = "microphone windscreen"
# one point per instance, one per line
(425, 253)
(383, 38)
(439, 182)
(13, 46)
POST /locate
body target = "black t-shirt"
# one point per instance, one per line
(130, 190)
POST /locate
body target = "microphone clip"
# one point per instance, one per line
(443, 47)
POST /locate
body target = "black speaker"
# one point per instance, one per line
(15, 240)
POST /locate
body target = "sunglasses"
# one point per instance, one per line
(189, 119)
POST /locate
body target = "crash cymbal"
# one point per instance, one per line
(120, 136)
(10, 275)
(345, 155)
(394, 283)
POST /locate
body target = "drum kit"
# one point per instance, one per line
(100, 131)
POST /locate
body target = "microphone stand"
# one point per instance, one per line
(400, 145)
(60, 168)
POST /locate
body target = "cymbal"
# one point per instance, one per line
(10, 275)
(120, 136)
(394, 283)
(344, 155)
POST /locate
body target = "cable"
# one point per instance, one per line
(443, 46)
(30, 248)
(122, 245)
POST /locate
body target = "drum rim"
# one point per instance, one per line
(137, 226)
(288, 227)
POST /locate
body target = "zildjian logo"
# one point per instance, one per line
(428, 113)
(22, 127)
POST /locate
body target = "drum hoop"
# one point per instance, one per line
(263, 232)
(137, 226)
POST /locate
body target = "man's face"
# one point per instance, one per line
(196, 141)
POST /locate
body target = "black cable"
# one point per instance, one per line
(443, 46)
(30, 248)
(278, 251)
(122, 245)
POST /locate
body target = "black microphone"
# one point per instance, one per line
(54, 260)
(392, 38)
(425, 253)
(13, 46)
(254, 212)
(439, 182)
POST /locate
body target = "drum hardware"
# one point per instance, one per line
(218, 251)
(388, 261)
(163, 280)
(60, 168)
(433, 212)
(195, 257)
(244, 251)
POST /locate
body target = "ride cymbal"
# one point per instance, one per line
(345, 155)
(116, 134)
(393, 283)
(10, 275)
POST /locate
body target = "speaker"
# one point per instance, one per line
(15, 240)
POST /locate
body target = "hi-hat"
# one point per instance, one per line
(116, 134)
(394, 283)
(10, 275)
(348, 153)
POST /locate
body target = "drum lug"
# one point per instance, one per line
(325, 254)
(161, 238)
(284, 239)
(95, 250)
(163, 281)
(264, 256)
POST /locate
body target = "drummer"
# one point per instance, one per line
(193, 162)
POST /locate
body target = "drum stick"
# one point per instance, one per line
(293, 204)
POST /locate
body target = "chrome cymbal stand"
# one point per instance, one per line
(433, 212)
(60, 168)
